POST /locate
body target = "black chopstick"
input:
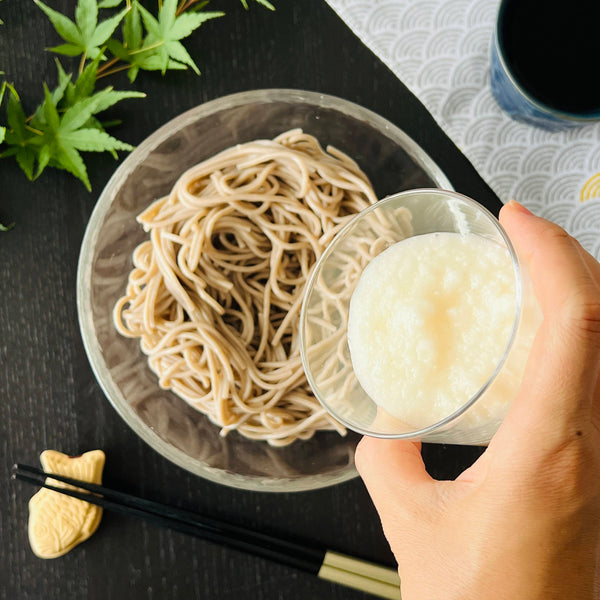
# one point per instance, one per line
(340, 568)
(289, 553)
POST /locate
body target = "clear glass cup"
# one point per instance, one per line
(324, 318)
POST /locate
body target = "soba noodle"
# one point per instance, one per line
(215, 294)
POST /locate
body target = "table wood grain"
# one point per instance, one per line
(48, 395)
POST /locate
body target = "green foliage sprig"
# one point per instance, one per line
(67, 120)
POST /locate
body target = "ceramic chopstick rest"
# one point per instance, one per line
(58, 523)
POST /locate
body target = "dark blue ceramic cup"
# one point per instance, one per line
(511, 57)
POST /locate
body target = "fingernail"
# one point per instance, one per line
(514, 204)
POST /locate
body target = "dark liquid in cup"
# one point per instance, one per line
(552, 49)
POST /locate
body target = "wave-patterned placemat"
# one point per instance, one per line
(440, 49)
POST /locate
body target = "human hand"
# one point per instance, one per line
(523, 522)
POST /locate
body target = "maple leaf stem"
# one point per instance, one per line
(147, 48)
(184, 5)
(113, 71)
(82, 62)
(34, 130)
(106, 66)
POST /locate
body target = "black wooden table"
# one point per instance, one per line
(48, 395)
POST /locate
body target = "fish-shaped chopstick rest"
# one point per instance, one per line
(57, 523)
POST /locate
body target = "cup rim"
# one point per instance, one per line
(538, 104)
(517, 271)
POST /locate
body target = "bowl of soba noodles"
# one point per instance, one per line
(192, 273)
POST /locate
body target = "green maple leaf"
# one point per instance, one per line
(132, 40)
(83, 89)
(63, 136)
(69, 93)
(18, 135)
(162, 49)
(84, 36)
(63, 125)
(132, 29)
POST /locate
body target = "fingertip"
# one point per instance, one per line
(536, 240)
(513, 205)
(379, 457)
(512, 214)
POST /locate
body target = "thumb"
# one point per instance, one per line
(563, 367)
(395, 476)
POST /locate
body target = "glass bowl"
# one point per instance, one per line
(166, 422)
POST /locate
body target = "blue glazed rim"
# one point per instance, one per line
(542, 107)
